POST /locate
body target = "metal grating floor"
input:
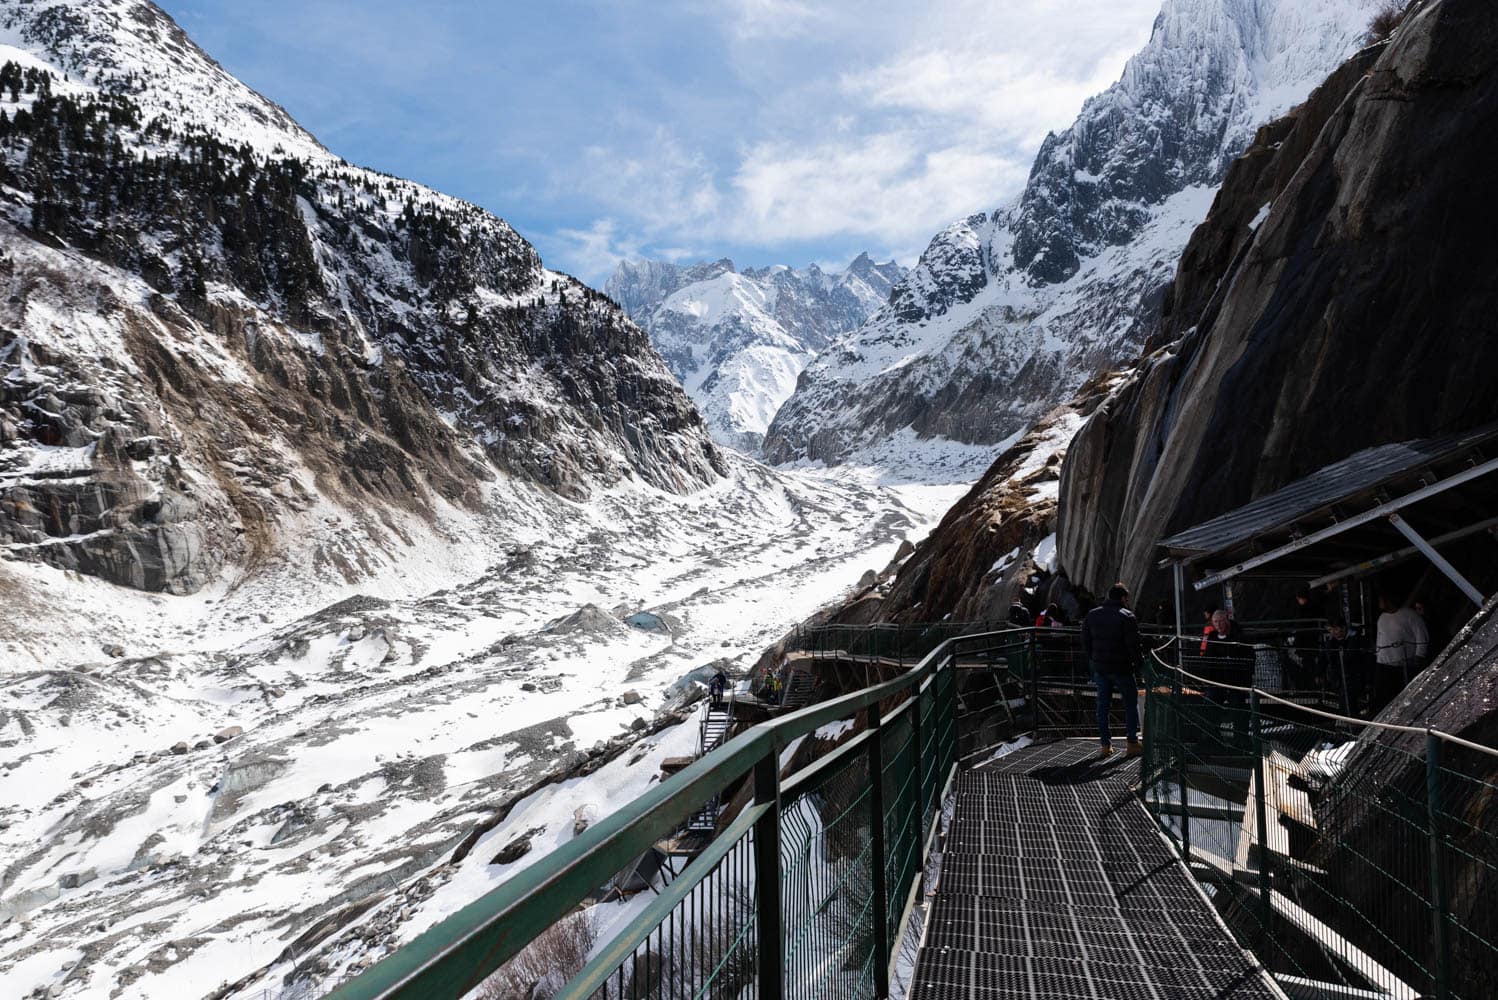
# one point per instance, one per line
(1055, 884)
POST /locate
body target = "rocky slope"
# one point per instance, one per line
(1009, 312)
(738, 339)
(396, 757)
(1337, 298)
(217, 338)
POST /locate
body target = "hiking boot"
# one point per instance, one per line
(1135, 749)
(1106, 750)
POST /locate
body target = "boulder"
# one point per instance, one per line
(73, 880)
(632, 698)
(581, 817)
(513, 851)
(180, 747)
(225, 735)
(113, 649)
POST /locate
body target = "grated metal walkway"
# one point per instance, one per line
(1054, 883)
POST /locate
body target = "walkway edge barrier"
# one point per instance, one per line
(456, 955)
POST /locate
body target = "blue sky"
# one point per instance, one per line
(771, 131)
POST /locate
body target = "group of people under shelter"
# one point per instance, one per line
(1326, 654)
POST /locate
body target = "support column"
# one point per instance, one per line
(1180, 580)
(878, 861)
(768, 917)
(1266, 904)
(1439, 941)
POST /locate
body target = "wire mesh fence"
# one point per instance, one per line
(1349, 854)
(805, 891)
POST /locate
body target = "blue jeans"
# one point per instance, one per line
(1124, 685)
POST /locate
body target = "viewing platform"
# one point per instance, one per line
(1056, 883)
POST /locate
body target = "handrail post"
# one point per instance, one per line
(1180, 748)
(1255, 728)
(1437, 874)
(919, 826)
(878, 865)
(768, 923)
(1034, 680)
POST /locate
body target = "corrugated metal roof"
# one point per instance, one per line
(1339, 482)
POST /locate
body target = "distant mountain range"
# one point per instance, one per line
(737, 340)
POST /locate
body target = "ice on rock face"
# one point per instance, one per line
(1007, 313)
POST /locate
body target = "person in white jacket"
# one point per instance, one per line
(1403, 644)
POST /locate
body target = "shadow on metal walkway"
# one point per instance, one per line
(1055, 883)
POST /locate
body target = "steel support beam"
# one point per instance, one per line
(1180, 577)
(1357, 520)
(1370, 565)
(1441, 564)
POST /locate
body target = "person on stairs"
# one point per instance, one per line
(1110, 641)
(717, 686)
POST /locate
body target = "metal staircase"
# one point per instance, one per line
(799, 689)
(712, 730)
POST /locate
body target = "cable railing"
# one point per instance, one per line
(1355, 857)
(807, 885)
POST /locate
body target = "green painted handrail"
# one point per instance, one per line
(601, 968)
(456, 955)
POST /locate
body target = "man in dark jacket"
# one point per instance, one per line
(1110, 640)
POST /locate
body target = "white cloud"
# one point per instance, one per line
(594, 251)
(875, 125)
(755, 19)
(888, 187)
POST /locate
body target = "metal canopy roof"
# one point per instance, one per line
(1349, 511)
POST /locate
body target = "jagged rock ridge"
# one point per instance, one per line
(738, 339)
(1009, 312)
(214, 327)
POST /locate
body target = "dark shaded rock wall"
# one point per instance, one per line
(1358, 313)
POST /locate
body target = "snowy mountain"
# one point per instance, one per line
(1008, 312)
(218, 339)
(738, 339)
(323, 508)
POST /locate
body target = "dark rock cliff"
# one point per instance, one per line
(1358, 312)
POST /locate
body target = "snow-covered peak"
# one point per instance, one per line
(710, 301)
(737, 339)
(1185, 106)
(1007, 312)
(133, 47)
